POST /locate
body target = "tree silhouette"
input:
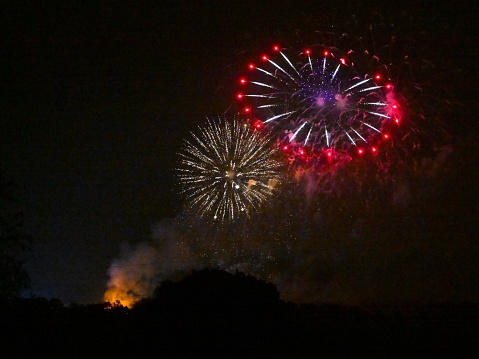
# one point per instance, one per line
(214, 298)
(211, 310)
(13, 241)
(217, 291)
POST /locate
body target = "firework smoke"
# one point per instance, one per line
(139, 271)
(314, 249)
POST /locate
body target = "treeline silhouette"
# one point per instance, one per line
(216, 314)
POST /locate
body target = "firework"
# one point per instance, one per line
(228, 169)
(320, 99)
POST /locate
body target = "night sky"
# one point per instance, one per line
(97, 99)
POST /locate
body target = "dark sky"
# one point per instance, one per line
(95, 102)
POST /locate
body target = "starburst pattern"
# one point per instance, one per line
(322, 99)
(228, 169)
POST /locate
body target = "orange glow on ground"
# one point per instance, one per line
(113, 294)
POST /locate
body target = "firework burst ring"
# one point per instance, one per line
(322, 101)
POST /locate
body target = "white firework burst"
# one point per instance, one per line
(228, 169)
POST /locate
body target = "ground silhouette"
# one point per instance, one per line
(216, 314)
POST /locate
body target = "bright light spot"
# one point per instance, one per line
(389, 86)
(251, 66)
(386, 136)
(396, 120)
(251, 183)
(340, 101)
(258, 124)
(378, 77)
(264, 58)
(242, 81)
(360, 151)
(307, 52)
(285, 148)
(301, 152)
(230, 174)
(276, 48)
(320, 101)
(395, 106)
(326, 53)
(330, 153)
(374, 150)
(247, 109)
(239, 96)
(343, 61)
